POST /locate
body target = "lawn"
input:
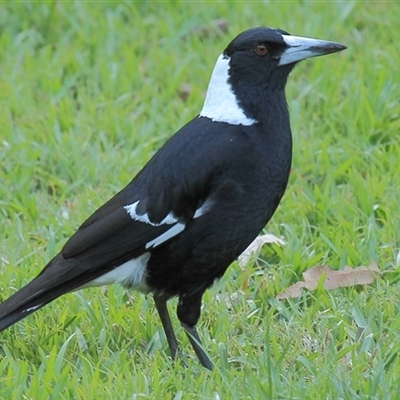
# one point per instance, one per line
(90, 90)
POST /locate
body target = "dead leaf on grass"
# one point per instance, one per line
(255, 247)
(216, 27)
(185, 90)
(332, 279)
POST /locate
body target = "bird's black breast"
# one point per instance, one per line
(243, 172)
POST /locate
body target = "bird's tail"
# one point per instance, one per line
(24, 302)
(54, 281)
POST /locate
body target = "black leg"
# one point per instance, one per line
(161, 306)
(189, 313)
(195, 341)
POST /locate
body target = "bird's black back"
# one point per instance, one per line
(243, 170)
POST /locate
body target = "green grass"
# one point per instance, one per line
(90, 90)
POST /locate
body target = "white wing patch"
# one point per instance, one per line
(131, 274)
(168, 220)
(170, 233)
(203, 209)
(131, 210)
(221, 104)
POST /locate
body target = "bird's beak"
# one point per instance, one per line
(299, 48)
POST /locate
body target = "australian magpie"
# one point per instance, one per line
(199, 201)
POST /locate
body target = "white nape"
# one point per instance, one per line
(130, 274)
(131, 210)
(221, 104)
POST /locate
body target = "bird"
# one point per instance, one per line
(200, 200)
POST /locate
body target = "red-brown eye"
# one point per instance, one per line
(261, 49)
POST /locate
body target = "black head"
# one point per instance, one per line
(250, 39)
(268, 54)
(256, 64)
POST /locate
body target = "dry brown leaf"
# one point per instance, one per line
(332, 279)
(255, 247)
(185, 90)
(216, 27)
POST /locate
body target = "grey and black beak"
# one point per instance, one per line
(300, 48)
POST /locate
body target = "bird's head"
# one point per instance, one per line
(256, 63)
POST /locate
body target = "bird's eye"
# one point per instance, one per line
(261, 49)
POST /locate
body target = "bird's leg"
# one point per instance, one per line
(161, 306)
(162, 309)
(189, 313)
(195, 341)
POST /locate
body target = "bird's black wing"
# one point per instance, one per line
(176, 182)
